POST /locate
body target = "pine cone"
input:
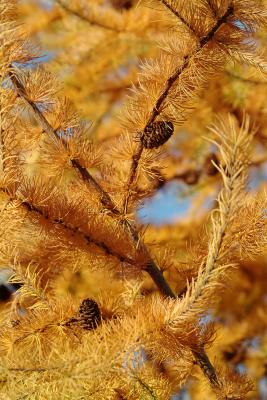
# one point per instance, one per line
(156, 134)
(89, 314)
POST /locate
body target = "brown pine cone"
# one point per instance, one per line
(156, 134)
(89, 314)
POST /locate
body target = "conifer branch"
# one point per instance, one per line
(146, 387)
(168, 86)
(73, 230)
(158, 278)
(106, 200)
(76, 231)
(30, 370)
(171, 329)
(192, 176)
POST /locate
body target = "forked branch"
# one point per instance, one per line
(82, 173)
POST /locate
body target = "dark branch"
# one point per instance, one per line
(204, 363)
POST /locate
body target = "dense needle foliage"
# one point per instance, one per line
(104, 104)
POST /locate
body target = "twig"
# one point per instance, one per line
(144, 385)
(191, 176)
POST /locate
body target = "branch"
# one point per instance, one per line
(191, 176)
(30, 370)
(234, 149)
(151, 268)
(106, 200)
(168, 85)
(74, 231)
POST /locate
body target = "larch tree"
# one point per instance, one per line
(104, 104)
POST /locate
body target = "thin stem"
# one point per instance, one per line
(87, 177)
(30, 370)
(77, 231)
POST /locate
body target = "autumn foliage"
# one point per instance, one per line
(104, 105)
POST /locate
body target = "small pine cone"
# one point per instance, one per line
(89, 314)
(156, 134)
